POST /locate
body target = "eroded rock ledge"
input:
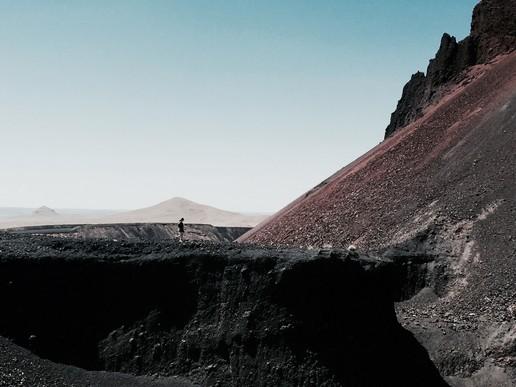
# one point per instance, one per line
(218, 314)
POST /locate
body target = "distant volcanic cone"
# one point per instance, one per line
(44, 211)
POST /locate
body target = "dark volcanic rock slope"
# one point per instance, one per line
(454, 165)
(219, 315)
(442, 188)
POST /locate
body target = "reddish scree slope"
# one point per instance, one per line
(458, 159)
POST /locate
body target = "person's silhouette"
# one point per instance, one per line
(181, 228)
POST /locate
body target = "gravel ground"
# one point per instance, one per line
(20, 368)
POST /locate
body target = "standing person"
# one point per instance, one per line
(181, 228)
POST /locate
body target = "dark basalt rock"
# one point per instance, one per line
(493, 31)
(410, 103)
(493, 28)
(451, 59)
(215, 314)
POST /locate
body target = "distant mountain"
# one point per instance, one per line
(44, 211)
(176, 208)
(16, 212)
(19, 217)
(169, 211)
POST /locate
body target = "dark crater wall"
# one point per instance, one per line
(62, 309)
(218, 317)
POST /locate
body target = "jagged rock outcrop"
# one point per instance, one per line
(493, 31)
(411, 103)
(219, 315)
(493, 28)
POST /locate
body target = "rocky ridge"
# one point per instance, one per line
(135, 231)
(493, 32)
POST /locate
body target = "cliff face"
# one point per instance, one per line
(493, 28)
(493, 31)
(220, 315)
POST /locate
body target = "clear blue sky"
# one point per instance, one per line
(243, 105)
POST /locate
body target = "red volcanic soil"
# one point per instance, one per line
(455, 161)
(440, 191)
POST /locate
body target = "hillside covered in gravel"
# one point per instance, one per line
(442, 186)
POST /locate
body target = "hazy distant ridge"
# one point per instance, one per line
(169, 211)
